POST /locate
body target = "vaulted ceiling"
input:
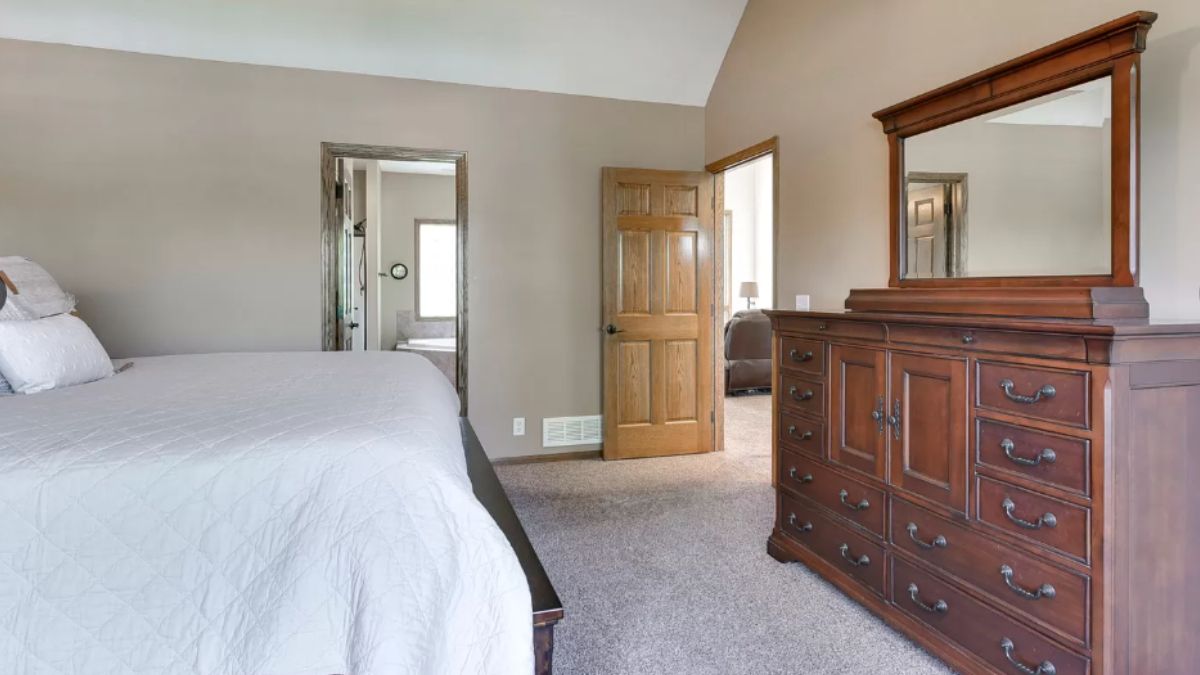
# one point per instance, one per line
(648, 50)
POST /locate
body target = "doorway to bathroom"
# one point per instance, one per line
(394, 232)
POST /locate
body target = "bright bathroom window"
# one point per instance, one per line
(437, 269)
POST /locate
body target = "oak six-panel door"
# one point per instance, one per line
(858, 379)
(928, 427)
(658, 312)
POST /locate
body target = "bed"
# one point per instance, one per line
(307, 513)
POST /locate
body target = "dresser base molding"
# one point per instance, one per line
(781, 548)
(1096, 302)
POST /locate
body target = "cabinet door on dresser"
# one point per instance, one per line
(928, 419)
(858, 379)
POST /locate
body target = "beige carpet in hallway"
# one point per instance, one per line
(662, 568)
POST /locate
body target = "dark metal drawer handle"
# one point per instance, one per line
(806, 436)
(800, 358)
(1046, 455)
(895, 419)
(939, 607)
(808, 394)
(877, 414)
(806, 527)
(861, 506)
(938, 541)
(860, 561)
(1047, 391)
(1047, 519)
(806, 478)
(1046, 668)
(1044, 591)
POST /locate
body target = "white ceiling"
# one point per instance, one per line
(647, 50)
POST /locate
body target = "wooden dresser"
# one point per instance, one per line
(1018, 496)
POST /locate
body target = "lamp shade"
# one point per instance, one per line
(749, 289)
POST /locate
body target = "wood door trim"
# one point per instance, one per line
(760, 149)
(330, 153)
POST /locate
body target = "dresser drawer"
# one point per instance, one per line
(802, 395)
(860, 330)
(993, 636)
(848, 551)
(1039, 518)
(1052, 459)
(1009, 342)
(1030, 391)
(847, 498)
(801, 433)
(1018, 580)
(802, 356)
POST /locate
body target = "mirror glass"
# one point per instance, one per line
(1022, 191)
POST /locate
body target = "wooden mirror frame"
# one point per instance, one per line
(1112, 49)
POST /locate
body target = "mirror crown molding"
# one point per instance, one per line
(1113, 50)
(1078, 58)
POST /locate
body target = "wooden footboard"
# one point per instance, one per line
(547, 608)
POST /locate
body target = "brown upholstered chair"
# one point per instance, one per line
(747, 352)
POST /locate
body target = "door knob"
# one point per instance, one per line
(612, 330)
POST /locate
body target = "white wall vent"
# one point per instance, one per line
(561, 431)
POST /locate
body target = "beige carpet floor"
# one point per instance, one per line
(662, 568)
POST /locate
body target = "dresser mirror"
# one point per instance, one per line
(1022, 191)
(1014, 191)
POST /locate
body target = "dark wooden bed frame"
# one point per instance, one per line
(547, 608)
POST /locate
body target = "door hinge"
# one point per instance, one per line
(712, 416)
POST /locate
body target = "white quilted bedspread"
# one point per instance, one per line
(252, 513)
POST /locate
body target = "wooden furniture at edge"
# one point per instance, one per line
(1003, 469)
(547, 608)
(1000, 490)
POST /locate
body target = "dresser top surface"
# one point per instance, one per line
(1119, 328)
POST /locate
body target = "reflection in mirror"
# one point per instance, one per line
(1023, 191)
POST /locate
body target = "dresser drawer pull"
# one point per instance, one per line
(1044, 591)
(806, 527)
(938, 541)
(894, 419)
(1047, 519)
(1046, 668)
(860, 561)
(806, 395)
(968, 339)
(806, 436)
(1046, 455)
(800, 357)
(939, 607)
(806, 478)
(1047, 391)
(877, 414)
(861, 506)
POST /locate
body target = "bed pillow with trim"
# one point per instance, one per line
(32, 292)
(43, 354)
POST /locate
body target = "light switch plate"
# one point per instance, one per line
(518, 426)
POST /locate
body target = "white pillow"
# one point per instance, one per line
(58, 351)
(37, 292)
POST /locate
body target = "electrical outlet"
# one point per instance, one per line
(518, 426)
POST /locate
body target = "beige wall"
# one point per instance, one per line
(406, 197)
(180, 200)
(813, 71)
